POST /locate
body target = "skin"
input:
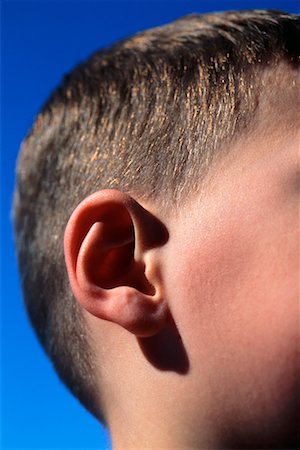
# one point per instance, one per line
(236, 266)
(229, 275)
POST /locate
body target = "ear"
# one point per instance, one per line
(113, 268)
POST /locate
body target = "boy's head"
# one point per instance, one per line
(163, 171)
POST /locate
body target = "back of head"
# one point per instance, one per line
(146, 116)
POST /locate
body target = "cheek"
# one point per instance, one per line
(234, 297)
(240, 281)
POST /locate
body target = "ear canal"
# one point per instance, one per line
(109, 262)
(106, 254)
(106, 258)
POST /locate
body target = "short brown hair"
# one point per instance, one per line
(146, 116)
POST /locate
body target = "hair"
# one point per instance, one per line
(146, 116)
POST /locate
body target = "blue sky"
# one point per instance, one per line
(42, 40)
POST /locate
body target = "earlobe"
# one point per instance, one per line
(106, 240)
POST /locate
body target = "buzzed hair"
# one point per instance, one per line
(146, 116)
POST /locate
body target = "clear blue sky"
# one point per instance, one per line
(42, 40)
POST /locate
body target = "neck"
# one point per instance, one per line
(155, 406)
(156, 429)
